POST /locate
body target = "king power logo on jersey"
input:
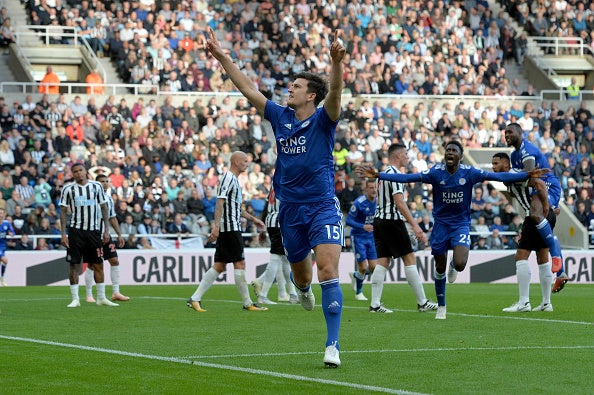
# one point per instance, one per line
(293, 145)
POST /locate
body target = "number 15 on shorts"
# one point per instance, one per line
(334, 232)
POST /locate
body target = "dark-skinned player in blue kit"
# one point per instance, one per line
(452, 193)
(526, 156)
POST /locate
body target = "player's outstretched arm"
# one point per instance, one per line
(332, 102)
(241, 81)
(368, 171)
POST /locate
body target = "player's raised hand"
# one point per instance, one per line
(337, 51)
(212, 45)
(366, 170)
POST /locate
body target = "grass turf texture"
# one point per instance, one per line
(155, 344)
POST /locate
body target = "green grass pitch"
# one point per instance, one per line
(154, 344)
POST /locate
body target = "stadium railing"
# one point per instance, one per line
(45, 33)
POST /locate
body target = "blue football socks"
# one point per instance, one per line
(359, 278)
(440, 288)
(332, 307)
(545, 231)
(306, 289)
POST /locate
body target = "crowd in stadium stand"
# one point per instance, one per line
(164, 160)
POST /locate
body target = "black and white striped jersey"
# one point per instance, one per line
(272, 207)
(522, 193)
(230, 190)
(386, 205)
(110, 210)
(84, 202)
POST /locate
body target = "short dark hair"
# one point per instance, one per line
(100, 177)
(315, 84)
(457, 143)
(514, 127)
(502, 156)
(395, 147)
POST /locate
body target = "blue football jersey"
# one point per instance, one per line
(5, 229)
(452, 193)
(530, 151)
(361, 213)
(304, 170)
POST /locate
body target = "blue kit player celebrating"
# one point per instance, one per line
(526, 156)
(452, 193)
(5, 230)
(309, 212)
(360, 219)
(530, 239)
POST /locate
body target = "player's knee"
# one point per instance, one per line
(459, 265)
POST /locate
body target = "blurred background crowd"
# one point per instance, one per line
(164, 160)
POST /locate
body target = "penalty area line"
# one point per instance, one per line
(388, 351)
(185, 361)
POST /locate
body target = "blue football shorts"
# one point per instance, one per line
(447, 236)
(305, 226)
(364, 247)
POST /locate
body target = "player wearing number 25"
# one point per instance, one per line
(452, 193)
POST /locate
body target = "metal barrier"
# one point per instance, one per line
(77, 87)
(558, 45)
(45, 33)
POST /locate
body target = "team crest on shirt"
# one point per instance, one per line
(462, 181)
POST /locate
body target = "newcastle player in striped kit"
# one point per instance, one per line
(110, 253)
(279, 266)
(85, 201)
(226, 230)
(391, 235)
(530, 239)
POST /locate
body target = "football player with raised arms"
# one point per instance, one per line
(452, 193)
(309, 212)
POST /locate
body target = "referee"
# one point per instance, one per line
(226, 230)
(85, 201)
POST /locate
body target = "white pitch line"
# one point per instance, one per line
(415, 350)
(505, 317)
(522, 317)
(186, 361)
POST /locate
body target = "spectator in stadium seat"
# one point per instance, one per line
(50, 83)
(178, 226)
(339, 154)
(95, 83)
